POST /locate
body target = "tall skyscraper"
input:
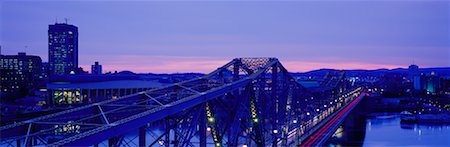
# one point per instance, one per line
(96, 69)
(62, 49)
(414, 76)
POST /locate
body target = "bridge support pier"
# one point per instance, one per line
(202, 126)
(167, 127)
(175, 137)
(112, 142)
(142, 136)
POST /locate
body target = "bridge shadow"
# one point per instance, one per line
(353, 130)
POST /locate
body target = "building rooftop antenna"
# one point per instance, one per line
(66, 19)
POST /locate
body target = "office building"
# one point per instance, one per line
(62, 49)
(96, 69)
(431, 84)
(44, 70)
(18, 74)
(414, 76)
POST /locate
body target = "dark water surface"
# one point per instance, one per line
(385, 129)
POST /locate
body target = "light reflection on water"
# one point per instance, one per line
(387, 130)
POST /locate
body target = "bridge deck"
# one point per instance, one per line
(321, 136)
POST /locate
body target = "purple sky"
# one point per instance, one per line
(178, 36)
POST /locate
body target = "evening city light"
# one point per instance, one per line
(241, 73)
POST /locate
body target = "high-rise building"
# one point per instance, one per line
(413, 70)
(19, 73)
(414, 76)
(62, 49)
(431, 84)
(96, 69)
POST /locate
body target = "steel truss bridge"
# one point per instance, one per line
(246, 102)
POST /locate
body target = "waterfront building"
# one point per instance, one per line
(431, 84)
(62, 48)
(444, 82)
(392, 84)
(66, 90)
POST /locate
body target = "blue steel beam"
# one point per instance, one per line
(153, 115)
(180, 103)
(271, 99)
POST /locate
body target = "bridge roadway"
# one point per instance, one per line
(319, 137)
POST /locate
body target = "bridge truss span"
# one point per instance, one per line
(248, 101)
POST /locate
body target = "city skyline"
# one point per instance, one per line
(224, 73)
(168, 37)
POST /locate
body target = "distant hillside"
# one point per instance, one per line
(441, 71)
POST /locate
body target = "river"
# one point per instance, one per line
(386, 130)
(363, 128)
